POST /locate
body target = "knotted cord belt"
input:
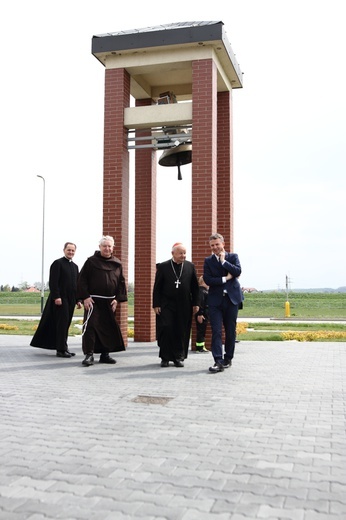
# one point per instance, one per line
(91, 308)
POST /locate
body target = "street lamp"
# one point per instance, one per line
(42, 272)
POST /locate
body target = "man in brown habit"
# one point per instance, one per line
(101, 286)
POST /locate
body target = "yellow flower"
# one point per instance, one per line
(3, 326)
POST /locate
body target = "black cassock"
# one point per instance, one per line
(173, 324)
(52, 331)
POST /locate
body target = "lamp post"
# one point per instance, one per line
(42, 272)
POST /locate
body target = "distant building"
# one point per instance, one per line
(32, 289)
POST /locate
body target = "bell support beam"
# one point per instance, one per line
(158, 115)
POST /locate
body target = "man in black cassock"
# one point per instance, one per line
(175, 300)
(101, 286)
(52, 331)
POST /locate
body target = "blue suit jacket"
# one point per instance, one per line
(214, 271)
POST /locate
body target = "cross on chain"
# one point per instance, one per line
(177, 283)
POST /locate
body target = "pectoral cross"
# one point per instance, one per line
(177, 283)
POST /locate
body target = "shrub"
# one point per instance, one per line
(313, 336)
(3, 326)
(242, 327)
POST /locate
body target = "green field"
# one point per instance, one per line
(256, 305)
(319, 306)
(303, 306)
(29, 304)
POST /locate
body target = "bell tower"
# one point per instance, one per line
(181, 77)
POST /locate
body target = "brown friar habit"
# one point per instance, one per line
(99, 277)
(52, 331)
(173, 324)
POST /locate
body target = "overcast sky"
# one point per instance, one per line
(289, 136)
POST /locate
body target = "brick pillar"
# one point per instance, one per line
(145, 239)
(225, 168)
(116, 173)
(204, 162)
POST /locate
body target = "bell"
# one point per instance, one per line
(177, 156)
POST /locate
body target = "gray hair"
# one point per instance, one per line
(176, 245)
(216, 236)
(106, 238)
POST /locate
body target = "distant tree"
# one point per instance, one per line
(6, 288)
(23, 286)
(15, 289)
(131, 287)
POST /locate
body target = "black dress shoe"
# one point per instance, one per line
(88, 360)
(218, 367)
(64, 354)
(178, 364)
(107, 359)
(164, 363)
(71, 353)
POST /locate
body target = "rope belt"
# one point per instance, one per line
(91, 308)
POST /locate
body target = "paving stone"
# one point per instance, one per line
(264, 439)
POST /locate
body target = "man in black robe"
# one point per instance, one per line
(52, 331)
(175, 300)
(101, 286)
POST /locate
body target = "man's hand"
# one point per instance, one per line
(157, 310)
(88, 303)
(58, 301)
(200, 318)
(195, 309)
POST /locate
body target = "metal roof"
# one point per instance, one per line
(161, 56)
(153, 28)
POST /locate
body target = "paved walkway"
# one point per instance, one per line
(265, 439)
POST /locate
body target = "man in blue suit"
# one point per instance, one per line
(221, 272)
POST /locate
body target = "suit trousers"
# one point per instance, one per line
(225, 314)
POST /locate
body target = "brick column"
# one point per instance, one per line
(225, 168)
(204, 162)
(116, 173)
(145, 239)
(204, 158)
